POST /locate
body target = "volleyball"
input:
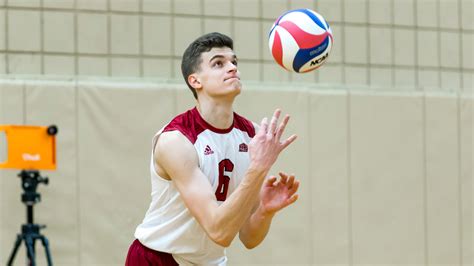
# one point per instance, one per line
(300, 40)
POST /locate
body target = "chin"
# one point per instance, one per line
(237, 85)
(231, 91)
(237, 88)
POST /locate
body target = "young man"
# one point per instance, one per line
(208, 169)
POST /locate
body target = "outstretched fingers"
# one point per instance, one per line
(289, 181)
(282, 127)
(283, 178)
(271, 181)
(291, 199)
(273, 123)
(263, 126)
(294, 188)
(292, 185)
(280, 131)
(288, 141)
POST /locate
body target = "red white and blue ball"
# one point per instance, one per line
(300, 40)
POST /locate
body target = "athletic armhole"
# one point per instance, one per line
(154, 142)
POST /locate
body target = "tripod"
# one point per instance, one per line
(30, 232)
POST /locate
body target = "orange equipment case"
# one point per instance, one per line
(29, 147)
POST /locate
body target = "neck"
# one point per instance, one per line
(219, 115)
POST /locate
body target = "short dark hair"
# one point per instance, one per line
(192, 56)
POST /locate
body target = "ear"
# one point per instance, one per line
(194, 81)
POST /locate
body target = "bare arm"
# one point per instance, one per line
(221, 223)
(274, 196)
(255, 228)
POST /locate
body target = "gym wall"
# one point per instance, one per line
(385, 143)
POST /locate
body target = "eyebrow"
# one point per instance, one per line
(221, 56)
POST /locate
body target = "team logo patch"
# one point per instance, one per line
(208, 150)
(243, 147)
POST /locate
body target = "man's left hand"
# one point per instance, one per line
(276, 195)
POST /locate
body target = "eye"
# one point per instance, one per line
(235, 62)
(217, 63)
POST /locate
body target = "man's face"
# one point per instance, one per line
(218, 74)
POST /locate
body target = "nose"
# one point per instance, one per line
(231, 67)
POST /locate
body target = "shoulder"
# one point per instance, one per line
(245, 125)
(185, 123)
(173, 149)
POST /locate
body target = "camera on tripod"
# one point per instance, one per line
(30, 149)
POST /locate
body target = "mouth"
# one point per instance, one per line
(231, 78)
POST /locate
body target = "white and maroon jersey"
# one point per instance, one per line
(168, 225)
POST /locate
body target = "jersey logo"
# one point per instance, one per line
(208, 150)
(243, 147)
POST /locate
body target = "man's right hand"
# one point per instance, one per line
(266, 145)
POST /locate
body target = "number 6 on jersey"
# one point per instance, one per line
(225, 165)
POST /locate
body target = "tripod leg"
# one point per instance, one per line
(45, 242)
(15, 249)
(30, 250)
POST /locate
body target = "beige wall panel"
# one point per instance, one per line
(121, 5)
(380, 11)
(12, 210)
(186, 30)
(293, 224)
(466, 151)
(272, 9)
(386, 179)
(442, 179)
(466, 14)
(58, 3)
(124, 67)
(115, 126)
(246, 39)
(11, 99)
(355, 11)
(295, 4)
(426, 13)
(184, 100)
(156, 35)
(251, 71)
(161, 6)
(449, 14)
(49, 103)
(222, 25)
(29, 63)
(24, 30)
(329, 177)
(265, 27)
(331, 10)
(299, 78)
(92, 36)
(255, 264)
(246, 8)
(91, 4)
(3, 63)
(59, 65)
(187, 7)
(124, 34)
(3, 36)
(217, 7)
(157, 68)
(24, 3)
(355, 39)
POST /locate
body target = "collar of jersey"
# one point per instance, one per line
(206, 125)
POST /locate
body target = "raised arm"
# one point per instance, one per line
(274, 196)
(220, 222)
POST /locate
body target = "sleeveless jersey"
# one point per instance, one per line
(168, 225)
